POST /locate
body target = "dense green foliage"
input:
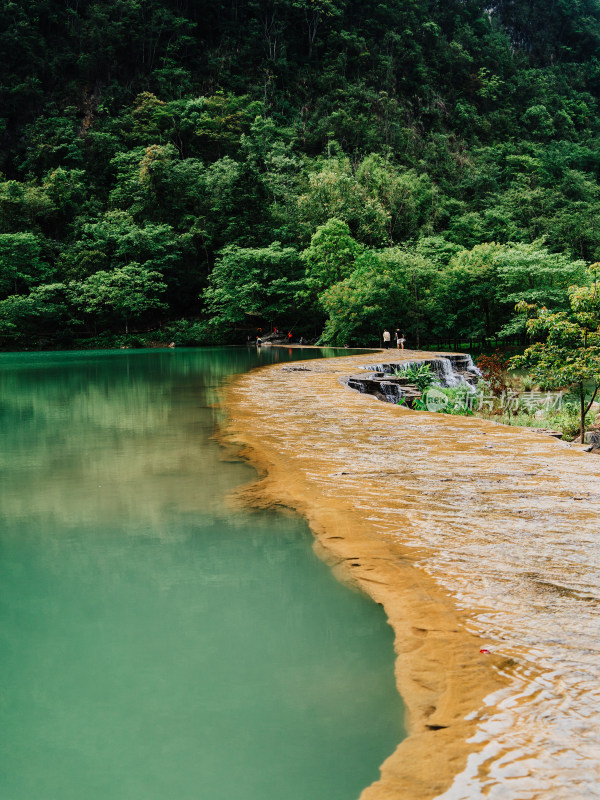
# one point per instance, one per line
(567, 350)
(419, 374)
(329, 166)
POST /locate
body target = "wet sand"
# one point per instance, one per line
(471, 535)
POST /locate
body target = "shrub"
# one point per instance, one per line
(568, 421)
(419, 374)
(188, 333)
(494, 371)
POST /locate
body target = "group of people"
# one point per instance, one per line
(276, 332)
(398, 338)
(387, 338)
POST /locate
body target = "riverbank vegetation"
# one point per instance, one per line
(511, 397)
(176, 170)
(566, 350)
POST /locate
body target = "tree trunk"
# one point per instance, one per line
(584, 410)
(582, 422)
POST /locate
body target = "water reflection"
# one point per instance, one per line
(118, 436)
(156, 643)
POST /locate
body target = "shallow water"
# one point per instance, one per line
(507, 523)
(155, 642)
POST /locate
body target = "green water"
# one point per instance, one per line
(154, 643)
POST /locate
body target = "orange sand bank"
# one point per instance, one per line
(471, 535)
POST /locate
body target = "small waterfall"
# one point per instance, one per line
(387, 381)
(463, 362)
(471, 366)
(389, 369)
(446, 375)
(450, 370)
(450, 378)
(391, 391)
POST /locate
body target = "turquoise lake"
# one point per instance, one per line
(155, 643)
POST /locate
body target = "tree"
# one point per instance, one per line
(127, 292)
(314, 13)
(122, 240)
(380, 201)
(531, 273)
(23, 206)
(161, 132)
(568, 355)
(421, 276)
(22, 263)
(45, 310)
(406, 197)
(116, 240)
(477, 292)
(334, 191)
(466, 293)
(251, 286)
(331, 256)
(361, 304)
(379, 292)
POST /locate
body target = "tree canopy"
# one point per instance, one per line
(353, 163)
(565, 352)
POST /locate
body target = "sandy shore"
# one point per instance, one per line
(438, 518)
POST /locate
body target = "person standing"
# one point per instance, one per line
(386, 338)
(400, 339)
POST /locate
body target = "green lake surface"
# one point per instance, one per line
(156, 644)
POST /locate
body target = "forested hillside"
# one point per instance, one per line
(332, 166)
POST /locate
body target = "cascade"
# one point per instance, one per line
(471, 366)
(391, 391)
(386, 380)
(446, 370)
(443, 366)
(446, 375)
(463, 362)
